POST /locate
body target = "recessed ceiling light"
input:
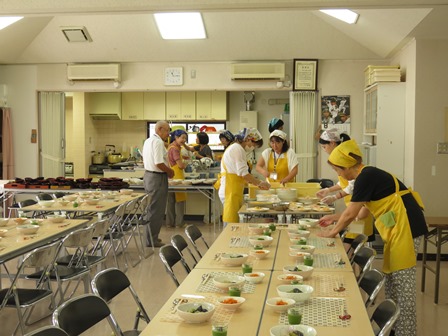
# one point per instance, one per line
(6, 21)
(345, 15)
(180, 26)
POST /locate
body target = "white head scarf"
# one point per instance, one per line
(331, 135)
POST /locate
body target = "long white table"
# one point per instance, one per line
(253, 317)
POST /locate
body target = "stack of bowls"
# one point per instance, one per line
(287, 194)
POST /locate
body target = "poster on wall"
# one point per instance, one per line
(336, 113)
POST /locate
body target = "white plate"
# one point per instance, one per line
(258, 209)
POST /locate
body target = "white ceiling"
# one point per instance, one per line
(124, 31)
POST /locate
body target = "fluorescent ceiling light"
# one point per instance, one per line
(6, 21)
(345, 15)
(180, 26)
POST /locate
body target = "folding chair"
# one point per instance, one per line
(180, 244)
(48, 331)
(356, 245)
(363, 260)
(384, 317)
(193, 234)
(26, 298)
(77, 267)
(170, 257)
(131, 227)
(371, 283)
(83, 312)
(111, 282)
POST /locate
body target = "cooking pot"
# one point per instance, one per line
(98, 158)
(114, 158)
(195, 128)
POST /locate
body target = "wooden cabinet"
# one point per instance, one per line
(132, 106)
(154, 106)
(211, 105)
(180, 105)
(385, 111)
(103, 104)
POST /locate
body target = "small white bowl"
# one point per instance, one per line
(257, 229)
(260, 240)
(27, 229)
(4, 221)
(303, 270)
(56, 218)
(297, 240)
(20, 220)
(92, 201)
(255, 277)
(225, 281)
(302, 248)
(70, 198)
(298, 233)
(184, 311)
(228, 302)
(3, 232)
(283, 329)
(280, 304)
(309, 221)
(259, 254)
(298, 255)
(234, 259)
(126, 191)
(46, 204)
(288, 278)
(63, 202)
(303, 292)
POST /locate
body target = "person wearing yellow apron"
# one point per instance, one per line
(278, 163)
(328, 141)
(235, 173)
(226, 138)
(175, 208)
(399, 219)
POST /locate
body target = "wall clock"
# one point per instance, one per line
(174, 76)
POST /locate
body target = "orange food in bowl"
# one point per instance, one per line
(281, 303)
(229, 301)
(253, 274)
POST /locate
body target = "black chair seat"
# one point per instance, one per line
(90, 260)
(26, 296)
(64, 273)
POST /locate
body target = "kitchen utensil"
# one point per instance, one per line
(98, 158)
(114, 158)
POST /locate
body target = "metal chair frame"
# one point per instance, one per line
(363, 259)
(170, 256)
(371, 283)
(193, 234)
(26, 298)
(385, 316)
(180, 244)
(83, 312)
(357, 243)
(111, 282)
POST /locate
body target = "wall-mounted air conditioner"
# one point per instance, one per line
(258, 71)
(94, 72)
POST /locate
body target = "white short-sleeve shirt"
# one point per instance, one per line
(234, 159)
(154, 153)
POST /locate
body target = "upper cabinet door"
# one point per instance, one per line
(132, 106)
(181, 105)
(154, 106)
(211, 105)
(173, 106)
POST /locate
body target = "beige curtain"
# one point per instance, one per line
(303, 126)
(7, 145)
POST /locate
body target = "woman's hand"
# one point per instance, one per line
(327, 220)
(323, 192)
(264, 185)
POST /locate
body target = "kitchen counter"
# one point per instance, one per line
(136, 172)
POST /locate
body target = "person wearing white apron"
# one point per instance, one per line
(278, 163)
(399, 219)
(235, 173)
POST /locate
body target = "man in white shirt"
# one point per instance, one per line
(157, 173)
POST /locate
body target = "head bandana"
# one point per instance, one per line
(227, 135)
(274, 124)
(278, 134)
(249, 134)
(176, 133)
(331, 135)
(340, 155)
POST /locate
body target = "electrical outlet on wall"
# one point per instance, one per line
(442, 148)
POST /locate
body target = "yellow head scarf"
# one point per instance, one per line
(340, 155)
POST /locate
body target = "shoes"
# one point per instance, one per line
(156, 244)
(158, 240)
